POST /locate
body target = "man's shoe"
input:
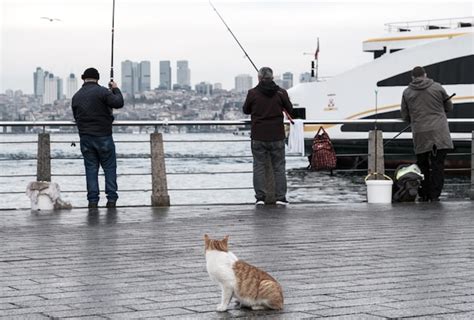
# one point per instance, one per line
(92, 205)
(436, 199)
(260, 203)
(282, 202)
(111, 204)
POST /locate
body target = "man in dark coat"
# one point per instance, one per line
(92, 109)
(265, 103)
(424, 105)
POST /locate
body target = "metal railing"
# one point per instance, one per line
(163, 124)
(421, 25)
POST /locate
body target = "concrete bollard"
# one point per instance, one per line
(472, 167)
(159, 195)
(43, 167)
(376, 157)
(269, 182)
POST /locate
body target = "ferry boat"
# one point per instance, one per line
(444, 47)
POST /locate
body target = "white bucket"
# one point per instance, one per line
(379, 191)
(44, 202)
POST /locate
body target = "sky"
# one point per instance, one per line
(275, 33)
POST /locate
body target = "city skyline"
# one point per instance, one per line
(162, 30)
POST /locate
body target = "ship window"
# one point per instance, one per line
(454, 71)
(460, 110)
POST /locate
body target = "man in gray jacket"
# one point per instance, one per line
(424, 105)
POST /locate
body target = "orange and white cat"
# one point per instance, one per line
(252, 287)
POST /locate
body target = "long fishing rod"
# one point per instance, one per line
(246, 55)
(112, 46)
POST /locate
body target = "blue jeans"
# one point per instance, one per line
(100, 151)
(276, 151)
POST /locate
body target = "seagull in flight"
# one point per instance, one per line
(51, 19)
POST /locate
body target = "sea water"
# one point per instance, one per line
(221, 162)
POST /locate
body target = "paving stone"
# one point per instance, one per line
(347, 261)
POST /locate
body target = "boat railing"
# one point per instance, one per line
(434, 24)
(44, 158)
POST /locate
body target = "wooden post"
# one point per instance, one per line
(472, 167)
(375, 163)
(43, 167)
(159, 195)
(269, 182)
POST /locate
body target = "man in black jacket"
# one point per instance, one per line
(92, 109)
(266, 103)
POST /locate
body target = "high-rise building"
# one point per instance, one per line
(38, 82)
(165, 75)
(287, 81)
(71, 86)
(243, 83)
(129, 77)
(144, 76)
(217, 86)
(50, 89)
(136, 77)
(204, 88)
(60, 88)
(183, 74)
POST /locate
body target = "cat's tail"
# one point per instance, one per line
(271, 292)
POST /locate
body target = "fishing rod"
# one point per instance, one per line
(112, 46)
(246, 55)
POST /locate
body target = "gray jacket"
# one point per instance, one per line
(424, 106)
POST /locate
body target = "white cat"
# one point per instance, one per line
(251, 286)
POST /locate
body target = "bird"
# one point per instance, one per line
(51, 19)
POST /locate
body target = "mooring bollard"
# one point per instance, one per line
(43, 166)
(375, 156)
(159, 195)
(472, 167)
(269, 182)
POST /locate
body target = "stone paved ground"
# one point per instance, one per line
(347, 261)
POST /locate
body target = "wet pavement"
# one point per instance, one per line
(343, 261)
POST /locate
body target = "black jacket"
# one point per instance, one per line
(92, 109)
(265, 104)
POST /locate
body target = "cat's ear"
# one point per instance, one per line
(206, 239)
(226, 239)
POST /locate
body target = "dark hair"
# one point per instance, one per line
(418, 72)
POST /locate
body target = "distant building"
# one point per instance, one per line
(217, 86)
(60, 88)
(71, 86)
(38, 82)
(50, 89)
(144, 76)
(287, 80)
(129, 77)
(165, 75)
(305, 77)
(204, 88)
(183, 75)
(243, 82)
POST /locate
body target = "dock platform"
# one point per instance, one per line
(341, 261)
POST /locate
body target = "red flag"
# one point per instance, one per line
(317, 51)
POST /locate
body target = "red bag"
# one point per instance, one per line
(323, 156)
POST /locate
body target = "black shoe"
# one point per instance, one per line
(92, 205)
(436, 199)
(111, 204)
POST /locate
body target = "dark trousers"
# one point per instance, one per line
(431, 164)
(275, 150)
(99, 151)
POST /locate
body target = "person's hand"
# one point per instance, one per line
(113, 84)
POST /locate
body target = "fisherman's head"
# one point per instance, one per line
(265, 74)
(90, 75)
(418, 72)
